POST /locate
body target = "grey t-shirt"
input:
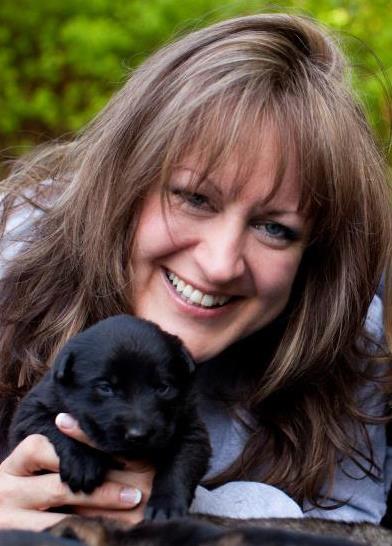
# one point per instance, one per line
(365, 497)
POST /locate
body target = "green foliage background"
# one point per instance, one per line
(60, 60)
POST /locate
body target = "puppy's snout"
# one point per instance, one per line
(137, 432)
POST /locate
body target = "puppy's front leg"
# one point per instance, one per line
(81, 467)
(179, 472)
(169, 496)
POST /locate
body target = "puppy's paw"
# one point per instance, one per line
(83, 468)
(164, 507)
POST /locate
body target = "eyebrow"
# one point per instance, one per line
(260, 205)
(281, 212)
(202, 180)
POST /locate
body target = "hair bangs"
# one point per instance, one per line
(234, 127)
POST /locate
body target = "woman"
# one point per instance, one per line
(232, 193)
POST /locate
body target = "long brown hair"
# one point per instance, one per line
(216, 89)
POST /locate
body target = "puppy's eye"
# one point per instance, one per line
(104, 389)
(164, 389)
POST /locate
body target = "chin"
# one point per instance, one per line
(200, 353)
(201, 357)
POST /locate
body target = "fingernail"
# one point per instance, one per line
(130, 496)
(64, 420)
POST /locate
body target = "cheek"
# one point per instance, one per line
(159, 231)
(275, 280)
(152, 236)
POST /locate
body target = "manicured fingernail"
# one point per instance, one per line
(64, 420)
(130, 496)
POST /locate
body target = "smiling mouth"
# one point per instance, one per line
(194, 296)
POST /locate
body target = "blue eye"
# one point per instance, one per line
(276, 231)
(194, 199)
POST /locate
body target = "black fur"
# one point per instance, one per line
(357, 532)
(31, 538)
(189, 532)
(184, 532)
(130, 386)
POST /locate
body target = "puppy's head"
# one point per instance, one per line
(126, 381)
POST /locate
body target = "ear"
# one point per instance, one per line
(63, 368)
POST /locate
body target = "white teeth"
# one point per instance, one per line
(195, 296)
(207, 301)
(180, 286)
(187, 292)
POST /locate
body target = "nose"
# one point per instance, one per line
(221, 251)
(137, 431)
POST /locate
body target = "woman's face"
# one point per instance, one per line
(218, 262)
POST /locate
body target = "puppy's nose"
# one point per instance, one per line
(136, 432)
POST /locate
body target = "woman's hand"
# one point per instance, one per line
(136, 479)
(25, 496)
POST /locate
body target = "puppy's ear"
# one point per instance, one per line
(183, 351)
(63, 368)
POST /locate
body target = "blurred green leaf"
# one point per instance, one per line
(61, 60)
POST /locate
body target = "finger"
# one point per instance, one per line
(48, 491)
(139, 480)
(130, 517)
(70, 427)
(110, 495)
(33, 454)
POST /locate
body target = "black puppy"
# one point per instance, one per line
(129, 385)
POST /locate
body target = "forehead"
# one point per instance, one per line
(125, 365)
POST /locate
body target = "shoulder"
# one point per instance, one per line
(18, 226)
(14, 234)
(371, 393)
(374, 319)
